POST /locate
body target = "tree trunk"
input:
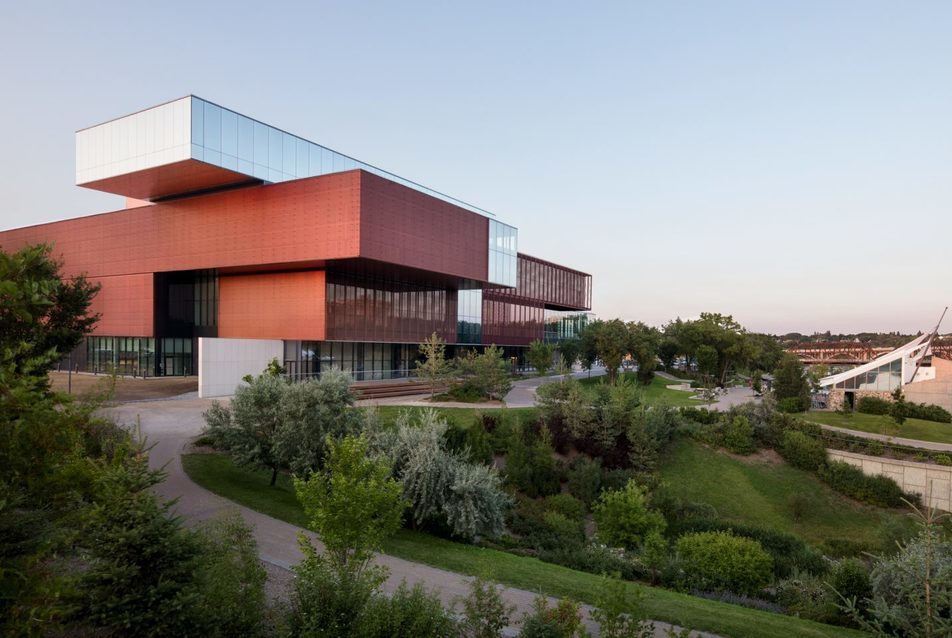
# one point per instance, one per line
(274, 475)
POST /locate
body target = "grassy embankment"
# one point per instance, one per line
(758, 491)
(883, 424)
(218, 474)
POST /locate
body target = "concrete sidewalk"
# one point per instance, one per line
(885, 438)
(169, 426)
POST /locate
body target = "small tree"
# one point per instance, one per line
(623, 518)
(312, 411)
(899, 408)
(643, 344)
(790, 381)
(434, 366)
(247, 429)
(485, 612)
(353, 505)
(569, 350)
(912, 589)
(539, 356)
(612, 343)
(487, 373)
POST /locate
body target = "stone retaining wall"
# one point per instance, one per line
(911, 476)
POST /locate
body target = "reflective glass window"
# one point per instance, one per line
(229, 133)
(212, 127)
(246, 139)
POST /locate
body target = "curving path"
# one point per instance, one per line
(170, 425)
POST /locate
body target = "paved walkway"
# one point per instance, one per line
(170, 425)
(885, 438)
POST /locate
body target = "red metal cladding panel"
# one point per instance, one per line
(400, 225)
(175, 178)
(507, 322)
(555, 286)
(125, 305)
(287, 305)
(292, 222)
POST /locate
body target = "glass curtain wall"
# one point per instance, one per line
(885, 378)
(469, 316)
(230, 140)
(363, 361)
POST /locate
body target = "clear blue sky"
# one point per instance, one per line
(786, 162)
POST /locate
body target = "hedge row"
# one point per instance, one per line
(924, 411)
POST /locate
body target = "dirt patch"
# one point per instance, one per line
(127, 389)
(763, 456)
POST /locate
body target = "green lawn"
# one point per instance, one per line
(758, 492)
(883, 424)
(218, 474)
(656, 392)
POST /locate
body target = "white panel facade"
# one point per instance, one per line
(223, 362)
(154, 137)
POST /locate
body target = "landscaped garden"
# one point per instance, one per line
(731, 523)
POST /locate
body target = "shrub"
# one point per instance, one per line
(231, 578)
(789, 552)
(802, 451)
(912, 590)
(585, 479)
(700, 415)
(542, 529)
(873, 405)
(875, 448)
(471, 442)
(442, 488)
(485, 612)
(616, 479)
(928, 412)
(531, 467)
(562, 621)
(142, 574)
(623, 518)
(596, 559)
(942, 459)
(410, 612)
(566, 505)
(739, 436)
(877, 490)
(720, 561)
(792, 405)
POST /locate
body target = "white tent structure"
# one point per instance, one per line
(884, 374)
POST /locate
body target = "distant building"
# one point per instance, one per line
(923, 377)
(241, 243)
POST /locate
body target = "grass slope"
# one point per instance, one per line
(883, 424)
(655, 392)
(758, 492)
(218, 474)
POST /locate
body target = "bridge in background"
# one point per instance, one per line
(853, 353)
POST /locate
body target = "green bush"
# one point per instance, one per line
(562, 621)
(411, 612)
(471, 441)
(928, 412)
(739, 436)
(623, 518)
(876, 490)
(789, 552)
(815, 599)
(539, 528)
(873, 405)
(585, 479)
(566, 505)
(802, 451)
(700, 415)
(531, 466)
(792, 405)
(942, 459)
(485, 612)
(720, 561)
